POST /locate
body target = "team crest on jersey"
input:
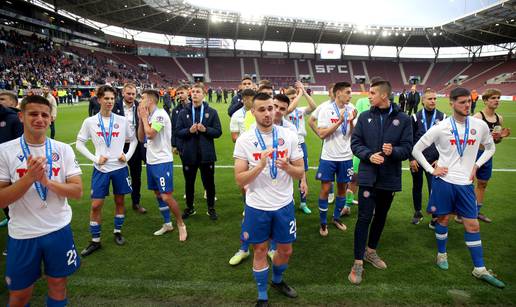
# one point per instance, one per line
(473, 131)
(207, 115)
(281, 141)
(55, 156)
(396, 122)
(116, 126)
(367, 194)
(2, 124)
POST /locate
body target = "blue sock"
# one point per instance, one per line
(277, 272)
(323, 210)
(55, 303)
(340, 202)
(244, 246)
(302, 196)
(119, 221)
(261, 277)
(95, 230)
(272, 245)
(441, 235)
(164, 209)
(474, 245)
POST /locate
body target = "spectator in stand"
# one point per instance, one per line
(53, 112)
(402, 100)
(237, 102)
(413, 99)
(210, 94)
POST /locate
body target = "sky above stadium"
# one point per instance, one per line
(422, 13)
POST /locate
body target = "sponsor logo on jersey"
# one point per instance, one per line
(281, 154)
(113, 134)
(22, 171)
(470, 142)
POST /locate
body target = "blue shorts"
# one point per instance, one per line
(160, 177)
(486, 170)
(56, 250)
(328, 169)
(448, 198)
(100, 183)
(259, 226)
(305, 155)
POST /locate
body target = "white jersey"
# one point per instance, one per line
(29, 218)
(121, 133)
(337, 146)
(159, 148)
(315, 113)
(297, 118)
(263, 193)
(459, 169)
(237, 123)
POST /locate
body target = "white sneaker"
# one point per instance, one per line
(164, 229)
(331, 198)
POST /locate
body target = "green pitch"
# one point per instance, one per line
(158, 271)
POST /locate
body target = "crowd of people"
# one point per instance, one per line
(362, 151)
(32, 62)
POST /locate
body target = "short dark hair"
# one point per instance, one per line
(152, 93)
(34, 99)
(261, 96)
(183, 87)
(459, 92)
(375, 79)
(247, 77)
(267, 86)
(283, 98)
(11, 96)
(199, 85)
(248, 93)
(384, 86)
(340, 86)
(103, 89)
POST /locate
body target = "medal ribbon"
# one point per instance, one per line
(273, 170)
(42, 191)
(344, 125)
(423, 113)
(460, 147)
(201, 114)
(107, 138)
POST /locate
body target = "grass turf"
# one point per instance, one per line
(158, 271)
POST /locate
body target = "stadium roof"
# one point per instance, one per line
(491, 25)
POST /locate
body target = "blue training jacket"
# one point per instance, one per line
(368, 138)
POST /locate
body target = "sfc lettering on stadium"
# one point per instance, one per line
(326, 69)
